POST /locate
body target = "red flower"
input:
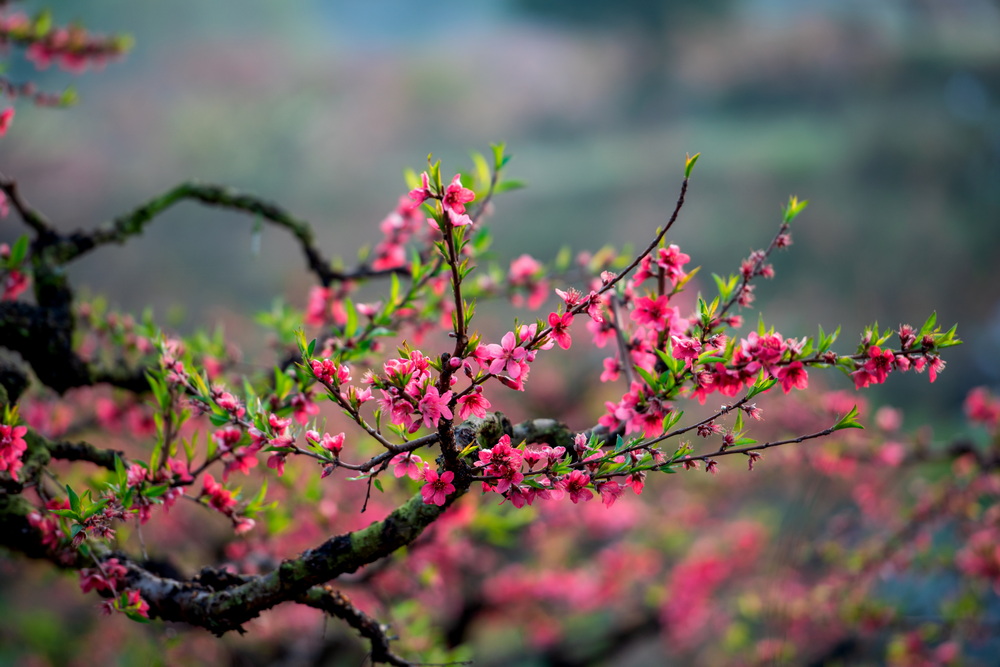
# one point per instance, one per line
(433, 406)
(437, 488)
(560, 328)
(473, 403)
(983, 408)
(456, 197)
(418, 195)
(12, 447)
(408, 464)
(218, 497)
(6, 118)
(576, 486)
(793, 375)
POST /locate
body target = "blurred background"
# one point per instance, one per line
(885, 115)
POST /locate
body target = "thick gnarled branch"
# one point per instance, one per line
(43, 337)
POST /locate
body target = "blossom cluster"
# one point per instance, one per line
(71, 48)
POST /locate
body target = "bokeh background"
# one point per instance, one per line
(885, 115)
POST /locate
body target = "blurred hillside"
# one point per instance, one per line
(886, 116)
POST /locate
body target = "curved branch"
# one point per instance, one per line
(31, 217)
(84, 451)
(227, 609)
(337, 604)
(134, 223)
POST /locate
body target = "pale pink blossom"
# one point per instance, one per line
(507, 356)
(408, 464)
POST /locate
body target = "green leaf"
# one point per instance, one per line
(393, 293)
(74, 500)
(671, 419)
(352, 318)
(507, 186)
(689, 163)
(95, 508)
(762, 384)
(482, 168)
(563, 259)
(710, 357)
(928, 325)
(434, 173)
(850, 420)
(43, 23)
(948, 338)
(261, 495)
(19, 251)
(723, 286)
(68, 97)
(499, 160)
(648, 377)
(377, 483)
(154, 459)
(411, 178)
(189, 446)
(794, 207)
(218, 419)
(120, 472)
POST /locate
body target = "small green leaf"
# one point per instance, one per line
(154, 459)
(850, 420)
(74, 500)
(671, 419)
(507, 186)
(762, 384)
(647, 377)
(499, 159)
(156, 491)
(793, 208)
(137, 617)
(377, 483)
(43, 23)
(689, 163)
(95, 508)
(120, 472)
(928, 325)
(563, 259)
(19, 251)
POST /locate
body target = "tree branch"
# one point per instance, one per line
(337, 604)
(43, 337)
(135, 222)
